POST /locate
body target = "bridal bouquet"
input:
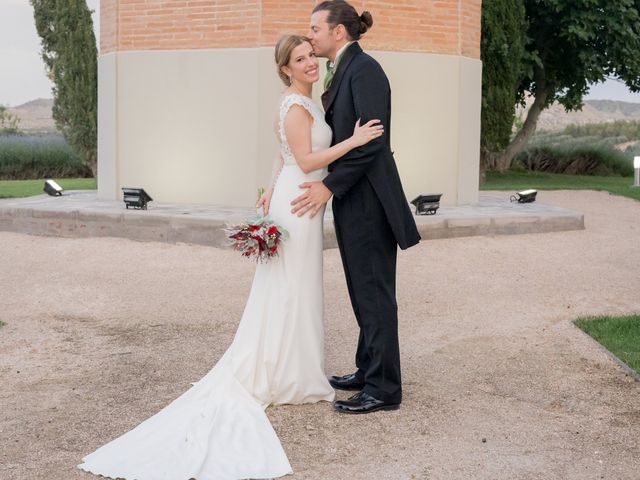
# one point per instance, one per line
(257, 237)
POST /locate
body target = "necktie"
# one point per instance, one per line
(331, 68)
(328, 76)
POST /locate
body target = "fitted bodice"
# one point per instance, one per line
(321, 133)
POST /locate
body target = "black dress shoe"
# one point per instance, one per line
(346, 382)
(363, 403)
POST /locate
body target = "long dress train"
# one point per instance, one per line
(218, 429)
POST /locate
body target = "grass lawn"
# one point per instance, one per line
(27, 188)
(620, 335)
(553, 181)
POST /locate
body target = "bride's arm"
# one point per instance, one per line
(297, 127)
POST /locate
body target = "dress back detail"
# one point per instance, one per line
(321, 134)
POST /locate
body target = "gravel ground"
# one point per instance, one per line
(101, 333)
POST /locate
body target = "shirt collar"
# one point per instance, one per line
(339, 53)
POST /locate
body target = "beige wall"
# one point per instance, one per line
(107, 120)
(196, 126)
(435, 129)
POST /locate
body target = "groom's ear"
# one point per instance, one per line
(340, 32)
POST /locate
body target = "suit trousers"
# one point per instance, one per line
(368, 250)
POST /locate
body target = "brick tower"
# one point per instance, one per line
(188, 93)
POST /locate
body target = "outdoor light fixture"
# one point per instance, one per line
(636, 167)
(427, 204)
(52, 188)
(136, 198)
(525, 196)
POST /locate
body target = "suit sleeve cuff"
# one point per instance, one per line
(328, 182)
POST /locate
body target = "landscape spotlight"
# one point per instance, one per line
(525, 196)
(136, 198)
(52, 188)
(636, 166)
(427, 204)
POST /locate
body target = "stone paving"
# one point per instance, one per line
(79, 213)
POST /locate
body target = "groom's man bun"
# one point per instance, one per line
(366, 22)
(342, 13)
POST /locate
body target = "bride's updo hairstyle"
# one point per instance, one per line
(284, 48)
(342, 13)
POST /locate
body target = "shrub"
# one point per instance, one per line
(620, 128)
(578, 159)
(38, 156)
(633, 150)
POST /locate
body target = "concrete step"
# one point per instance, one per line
(79, 213)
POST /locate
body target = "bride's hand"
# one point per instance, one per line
(265, 201)
(363, 134)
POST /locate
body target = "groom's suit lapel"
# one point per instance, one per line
(330, 95)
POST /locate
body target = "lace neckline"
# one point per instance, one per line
(299, 95)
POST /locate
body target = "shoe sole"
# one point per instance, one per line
(381, 407)
(340, 387)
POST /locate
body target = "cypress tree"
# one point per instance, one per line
(502, 54)
(70, 55)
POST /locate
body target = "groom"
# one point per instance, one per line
(371, 213)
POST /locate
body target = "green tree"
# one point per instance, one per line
(70, 55)
(502, 54)
(573, 44)
(8, 121)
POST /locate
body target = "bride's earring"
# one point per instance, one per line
(291, 81)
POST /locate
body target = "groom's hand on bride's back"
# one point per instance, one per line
(311, 201)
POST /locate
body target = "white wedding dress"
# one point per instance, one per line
(218, 429)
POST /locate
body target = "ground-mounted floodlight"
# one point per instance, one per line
(52, 188)
(525, 196)
(636, 167)
(136, 198)
(427, 204)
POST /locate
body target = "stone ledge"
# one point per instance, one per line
(80, 214)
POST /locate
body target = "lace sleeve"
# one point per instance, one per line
(287, 103)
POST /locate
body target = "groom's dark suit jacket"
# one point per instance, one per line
(360, 90)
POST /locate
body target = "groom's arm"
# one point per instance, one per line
(370, 92)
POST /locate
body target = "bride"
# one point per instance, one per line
(218, 429)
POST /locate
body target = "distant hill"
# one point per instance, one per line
(594, 111)
(610, 106)
(35, 115)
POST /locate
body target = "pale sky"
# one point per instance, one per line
(22, 75)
